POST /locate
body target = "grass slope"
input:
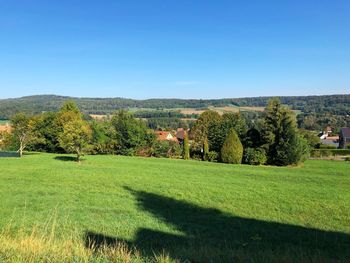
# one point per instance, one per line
(4, 122)
(185, 209)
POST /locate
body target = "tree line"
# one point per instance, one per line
(330, 104)
(273, 139)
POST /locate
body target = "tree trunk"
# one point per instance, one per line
(78, 156)
(20, 149)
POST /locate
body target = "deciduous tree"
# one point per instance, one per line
(22, 131)
(75, 137)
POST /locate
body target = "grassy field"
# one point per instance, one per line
(3, 122)
(113, 208)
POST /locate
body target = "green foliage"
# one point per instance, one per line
(70, 106)
(200, 130)
(336, 105)
(254, 156)
(283, 143)
(75, 137)
(47, 131)
(102, 143)
(130, 134)
(329, 152)
(205, 149)
(219, 130)
(212, 156)
(326, 146)
(253, 138)
(168, 149)
(22, 131)
(317, 121)
(232, 149)
(186, 148)
(165, 123)
(312, 139)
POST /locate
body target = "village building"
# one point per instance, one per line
(165, 136)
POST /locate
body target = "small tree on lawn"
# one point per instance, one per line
(205, 149)
(232, 150)
(186, 148)
(22, 131)
(75, 137)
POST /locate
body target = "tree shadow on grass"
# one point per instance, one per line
(31, 153)
(66, 158)
(209, 235)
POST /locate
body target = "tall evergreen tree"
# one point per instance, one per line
(283, 143)
(186, 148)
(205, 149)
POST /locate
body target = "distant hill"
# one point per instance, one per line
(333, 104)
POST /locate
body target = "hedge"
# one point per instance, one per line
(329, 152)
(9, 154)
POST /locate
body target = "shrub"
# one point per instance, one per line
(254, 156)
(232, 150)
(205, 149)
(316, 153)
(325, 146)
(347, 159)
(326, 153)
(212, 156)
(186, 148)
(168, 149)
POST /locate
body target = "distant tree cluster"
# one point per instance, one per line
(271, 138)
(68, 132)
(328, 104)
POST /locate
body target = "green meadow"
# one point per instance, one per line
(131, 209)
(4, 122)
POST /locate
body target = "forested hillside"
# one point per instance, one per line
(328, 104)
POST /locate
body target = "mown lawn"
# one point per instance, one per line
(185, 209)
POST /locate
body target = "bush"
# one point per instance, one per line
(316, 153)
(326, 153)
(212, 156)
(232, 150)
(254, 156)
(168, 149)
(347, 159)
(325, 146)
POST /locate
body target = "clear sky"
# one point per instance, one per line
(174, 48)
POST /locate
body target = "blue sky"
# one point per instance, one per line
(178, 49)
